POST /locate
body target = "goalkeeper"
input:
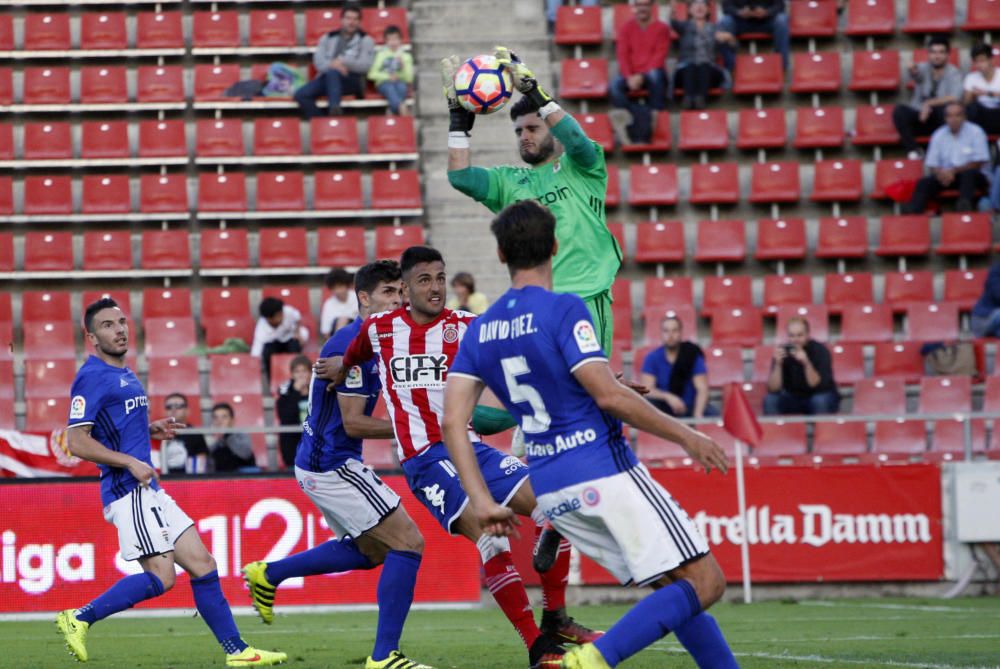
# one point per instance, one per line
(565, 171)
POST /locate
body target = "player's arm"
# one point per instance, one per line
(359, 425)
(84, 446)
(463, 177)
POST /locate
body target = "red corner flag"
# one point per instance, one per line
(738, 418)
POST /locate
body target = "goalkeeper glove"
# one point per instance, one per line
(525, 81)
(460, 118)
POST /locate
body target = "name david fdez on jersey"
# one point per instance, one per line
(518, 326)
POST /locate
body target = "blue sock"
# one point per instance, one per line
(328, 558)
(395, 595)
(214, 609)
(702, 638)
(124, 594)
(648, 621)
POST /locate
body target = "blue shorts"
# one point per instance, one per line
(433, 479)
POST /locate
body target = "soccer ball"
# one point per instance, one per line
(483, 85)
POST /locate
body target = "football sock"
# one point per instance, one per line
(395, 595)
(507, 589)
(702, 638)
(124, 594)
(648, 621)
(555, 579)
(328, 558)
(214, 609)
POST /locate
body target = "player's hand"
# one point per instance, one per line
(332, 370)
(460, 118)
(524, 78)
(165, 428)
(634, 385)
(142, 472)
(705, 451)
(496, 520)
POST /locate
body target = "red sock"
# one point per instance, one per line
(507, 589)
(555, 579)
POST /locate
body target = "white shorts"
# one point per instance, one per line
(352, 498)
(627, 523)
(149, 522)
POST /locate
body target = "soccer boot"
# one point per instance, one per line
(584, 657)
(74, 632)
(545, 653)
(253, 657)
(546, 549)
(261, 592)
(396, 660)
(561, 628)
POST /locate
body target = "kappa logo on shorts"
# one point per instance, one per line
(586, 340)
(77, 407)
(591, 496)
(450, 333)
(435, 496)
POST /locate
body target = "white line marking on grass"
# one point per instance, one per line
(891, 637)
(901, 607)
(831, 660)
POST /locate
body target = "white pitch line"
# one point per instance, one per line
(903, 607)
(893, 637)
(831, 660)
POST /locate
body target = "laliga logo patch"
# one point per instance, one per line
(77, 407)
(586, 340)
(354, 377)
(450, 334)
(591, 497)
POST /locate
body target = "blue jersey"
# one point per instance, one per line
(113, 401)
(325, 445)
(525, 348)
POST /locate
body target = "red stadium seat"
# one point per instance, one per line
(880, 396)
(166, 303)
(875, 71)
(7, 382)
(866, 323)
(781, 440)
(229, 302)
(163, 193)
(341, 247)
(813, 18)
(7, 196)
(46, 86)
(578, 25)
(763, 356)
(761, 129)
(760, 74)
(6, 141)
(715, 183)
(6, 260)
(234, 374)
(211, 81)
(774, 182)
(46, 414)
(171, 375)
(48, 195)
(661, 140)
(218, 137)
(584, 78)
(48, 251)
(816, 72)
(7, 314)
(46, 32)
(724, 364)
(296, 296)
(47, 378)
(873, 126)
(103, 85)
(47, 141)
(963, 287)
(930, 16)
(103, 140)
(596, 126)
(900, 437)
(669, 293)
(737, 327)
(817, 128)
(6, 86)
(222, 192)
(107, 250)
(224, 248)
(168, 337)
(652, 185)
(949, 439)
(871, 17)
(837, 180)
(6, 33)
(319, 22)
(335, 135)
(842, 237)
(337, 190)
(659, 452)
(106, 194)
(161, 83)
(162, 139)
(945, 394)
(904, 236)
(44, 305)
(839, 438)
(617, 230)
(391, 241)
(843, 289)
(893, 171)
(982, 15)
(121, 296)
(905, 289)
(781, 239)
(271, 27)
(165, 249)
(965, 234)
(159, 30)
(786, 289)
(374, 21)
(848, 363)
(283, 247)
(280, 191)
(215, 29)
(704, 131)
(721, 241)
(937, 321)
(50, 340)
(396, 189)
(817, 315)
(613, 196)
(391, 134)
(659, 241)
(899, 359)
(725, 292)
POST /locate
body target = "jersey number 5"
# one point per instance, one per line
(514, 367)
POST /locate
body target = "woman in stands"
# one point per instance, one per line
(697, 71)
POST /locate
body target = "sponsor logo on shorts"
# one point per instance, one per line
(435, 497)
(309, 483)
(450, 334)
(586, 340)
(568, 506)
(591, 496)
(77, 407)
(510, 464)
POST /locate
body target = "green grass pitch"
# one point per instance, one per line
(919, 633)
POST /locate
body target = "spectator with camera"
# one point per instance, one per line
(801, 379)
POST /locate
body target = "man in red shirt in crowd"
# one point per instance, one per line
(641, 45)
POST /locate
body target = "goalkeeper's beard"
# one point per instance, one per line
(543, 154)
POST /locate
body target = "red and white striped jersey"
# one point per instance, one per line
(413, 363)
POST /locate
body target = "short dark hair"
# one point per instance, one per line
(350, 7)
(522, 107)
(270, 306)
(173, 395)
(939, 40)
(464, 279)
(225, 406)
(526, 234)
(300, 360)
(671, 316)
(339, 276)
(371, 275)
(981, 49)
(391, 30)
(93, 308)
(418, 254)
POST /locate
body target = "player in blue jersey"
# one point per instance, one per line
(374, 528)
(537, 351)
(109, 425)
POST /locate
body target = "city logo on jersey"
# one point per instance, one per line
(510, 464)
(355, 377)
(591, 496)
(586, 340)
(419, 371)
(133, 403)
(77, 407)
(450, 333)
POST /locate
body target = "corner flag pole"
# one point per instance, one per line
(741, 496)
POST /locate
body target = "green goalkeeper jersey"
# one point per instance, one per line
(573, 187)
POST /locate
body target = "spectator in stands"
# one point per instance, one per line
(341, 307)
(935, 83)
(279, 330)
(697, 71)
(641, 45)
(956, 156)
(342, 59)
(185, 453)
(801, 378)
(231, 451)
(982, 90)
(755, 16)
(985, 320)
(552, 6)
(675, 374)
(392, 71)
(464, 295)
(291, 406)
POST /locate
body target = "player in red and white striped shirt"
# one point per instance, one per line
(415, 346)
